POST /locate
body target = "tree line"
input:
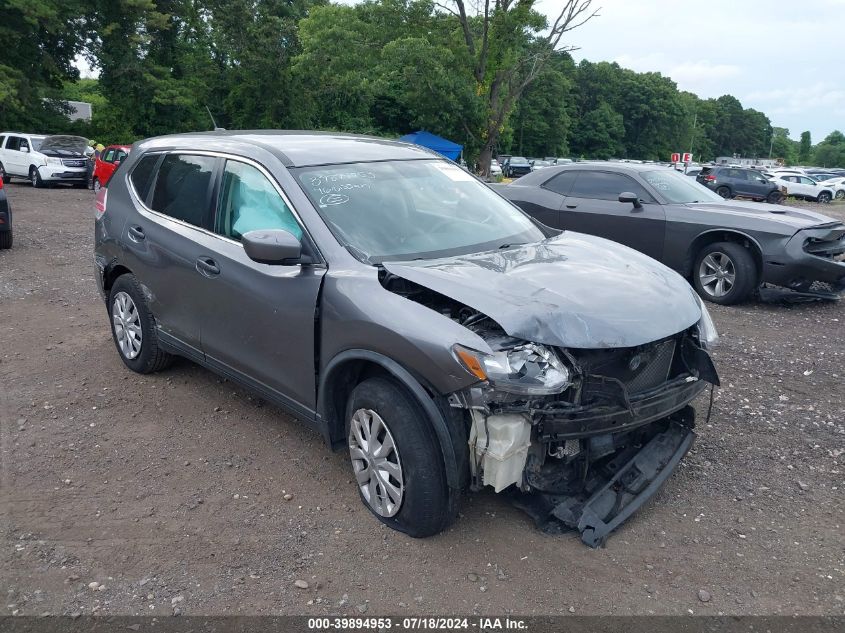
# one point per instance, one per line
(494, 75)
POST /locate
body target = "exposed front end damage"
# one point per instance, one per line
(579, 438)
(589, 457)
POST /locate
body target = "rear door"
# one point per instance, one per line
(105, 166)
(164, 240)
(592, 206)
(258, 319)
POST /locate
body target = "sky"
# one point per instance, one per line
(781, 57)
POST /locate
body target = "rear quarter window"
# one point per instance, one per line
(142, 175)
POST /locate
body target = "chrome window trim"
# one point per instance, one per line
(154, 215)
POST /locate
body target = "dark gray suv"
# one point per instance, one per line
(412, 316)
(733, 182)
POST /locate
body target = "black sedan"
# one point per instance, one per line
(726, 248)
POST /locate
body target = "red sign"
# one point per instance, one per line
(687, 157)
(676, 157)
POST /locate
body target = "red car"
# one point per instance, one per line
(106, 163)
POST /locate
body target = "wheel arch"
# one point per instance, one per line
(110, 275)
(350, 367)
(723, 235)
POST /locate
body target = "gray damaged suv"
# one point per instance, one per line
(414, 317)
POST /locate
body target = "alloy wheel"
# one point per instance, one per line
(840, 194)
(717, 274)
(375, 460)
(97, 185)
(33, 177)
(127, 325)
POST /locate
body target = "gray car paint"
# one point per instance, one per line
(768, 227)
(574, 290)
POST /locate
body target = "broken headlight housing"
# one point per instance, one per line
(707, 334)
(527, 369)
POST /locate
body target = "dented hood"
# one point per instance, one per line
(573, 290)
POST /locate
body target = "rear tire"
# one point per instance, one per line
(95, 185)
(149, 357)
(3, 175)
(724, 273)
(423, 507)
(725, 192)
(5, 240)
(775, 197)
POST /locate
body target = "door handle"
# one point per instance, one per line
(136, 233)
(571, 206)
(207, 267)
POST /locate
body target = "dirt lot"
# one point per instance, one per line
(168, 490)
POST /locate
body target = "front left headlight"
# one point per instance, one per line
(528, 369)
(707, 333)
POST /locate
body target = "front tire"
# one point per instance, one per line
(35, 177)
(96, 185)
(724, 273)
(396, 459)
(840, 195)
(824, 197)
(133, 328)
(5, 240)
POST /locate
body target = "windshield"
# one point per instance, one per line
(403, 210)
(677, 188)
(64, 144)
(36, 142)
(518, 160)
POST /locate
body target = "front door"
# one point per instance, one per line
(259, 318)
(592, 206)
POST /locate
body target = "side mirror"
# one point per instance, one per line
(271, 246)
(631, 198)
(25, 149)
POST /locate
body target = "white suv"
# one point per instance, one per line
(44, 159)
(803, 187)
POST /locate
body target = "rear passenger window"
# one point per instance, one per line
(602, 185)
(142, 175)
(2, 140)
(182, 187)
(249, 202)
(109, 157)
(562, 183)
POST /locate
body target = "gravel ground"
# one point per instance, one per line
(180, 491)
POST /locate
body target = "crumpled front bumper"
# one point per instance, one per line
(622, 486)
(815, 254)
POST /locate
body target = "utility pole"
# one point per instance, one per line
(692, 136)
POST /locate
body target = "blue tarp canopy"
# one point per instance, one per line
(449, 149)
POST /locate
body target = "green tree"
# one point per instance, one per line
(831, 151)
(508, 44)
(804, 148)
(41, 39)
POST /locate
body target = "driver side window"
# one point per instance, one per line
(249, 202)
